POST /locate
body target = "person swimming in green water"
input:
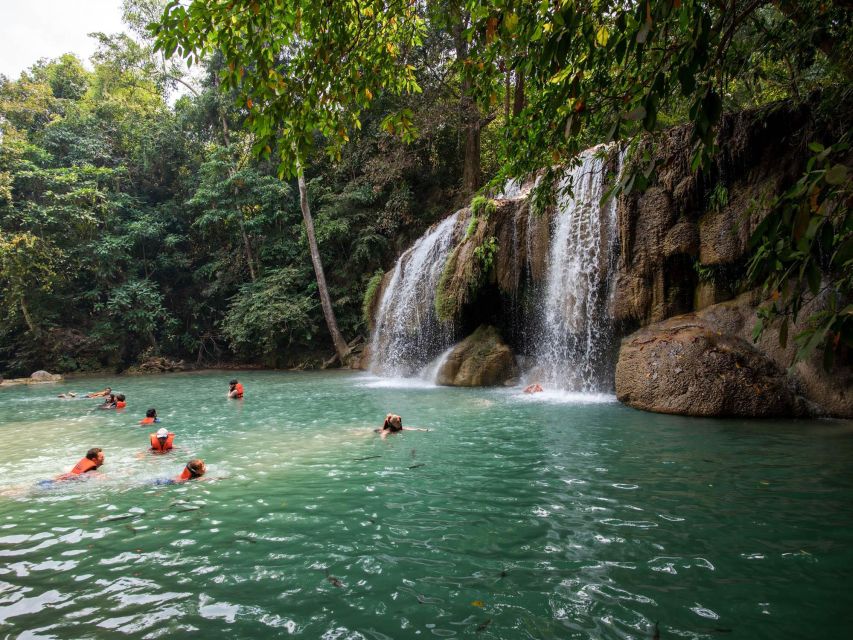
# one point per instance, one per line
(393, 424)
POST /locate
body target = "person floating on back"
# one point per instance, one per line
(150, 417)
(195, 469)
(235, 389)
(162, 441)
(394, 423)
(99, 394)
(94, 459)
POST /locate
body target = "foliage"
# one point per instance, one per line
(604, 70)
(370, 297)
(482, 205)
(301, 72)
(268, 317)
(803, 249)
(485, 254)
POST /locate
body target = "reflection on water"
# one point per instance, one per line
(514, 517)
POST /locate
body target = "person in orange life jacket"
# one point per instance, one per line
(150, 417)
(195, 469)
(94, 459)
(120, 403)
(161, 442)
(394, 423)
(235, 389)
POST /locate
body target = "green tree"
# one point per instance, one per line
(299, 72)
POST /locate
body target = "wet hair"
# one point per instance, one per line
(92, 454)
(151, 413)
(196, 467)
(393, 422)
(109, 389)
(234, 381)
(120, 397)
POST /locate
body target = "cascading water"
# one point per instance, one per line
(575, 336)
(408, 335)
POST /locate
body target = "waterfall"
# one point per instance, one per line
(575, 335)
(407, 334)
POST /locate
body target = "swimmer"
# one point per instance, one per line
(195, 469)
(533, 388)
(109, 403)
(235, 389)
(71, 395)
(161, 442)
(394, 423)
(120, 403)
(150, 417)
(99, 394)
(94, 459)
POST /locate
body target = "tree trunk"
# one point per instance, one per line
(472, 177)
(341, 347)
(518, 105)
(248, 247)
(28, 318)
(469, 112)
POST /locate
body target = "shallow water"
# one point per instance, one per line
(514, 517)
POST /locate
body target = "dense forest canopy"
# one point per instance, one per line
(319, 139)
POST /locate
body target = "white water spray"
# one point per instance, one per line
(575, 333)
(408, 334)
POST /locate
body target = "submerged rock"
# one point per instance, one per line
(480, 360)
(684, 366)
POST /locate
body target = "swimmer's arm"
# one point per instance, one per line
(415, 429)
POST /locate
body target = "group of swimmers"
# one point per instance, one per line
(111, 400)
(162, 441)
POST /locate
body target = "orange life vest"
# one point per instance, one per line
(185, 475)
(165, 446)
(239, 389)
(121, 404)
(83, 466)
(147, 420)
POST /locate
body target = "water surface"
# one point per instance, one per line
(513, 517)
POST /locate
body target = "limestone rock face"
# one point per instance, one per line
(45, 376)
(684, 366)
(480, 360)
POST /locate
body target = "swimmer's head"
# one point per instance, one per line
(393, 422)
(196, 467)
(96, 455)
(120, 397)
(151, 413)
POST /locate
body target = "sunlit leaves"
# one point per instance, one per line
(308, 71)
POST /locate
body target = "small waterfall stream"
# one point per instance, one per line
(575, 336)
(407, 335)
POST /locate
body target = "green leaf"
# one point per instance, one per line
(836, 175)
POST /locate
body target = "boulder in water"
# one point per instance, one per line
(480, 360)
(45, 376)
(684, 366)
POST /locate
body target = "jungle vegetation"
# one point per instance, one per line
(239, 209)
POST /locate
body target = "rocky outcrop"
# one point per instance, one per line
(705, 363)
(683, 366)
(45, 376)
(480, 360)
